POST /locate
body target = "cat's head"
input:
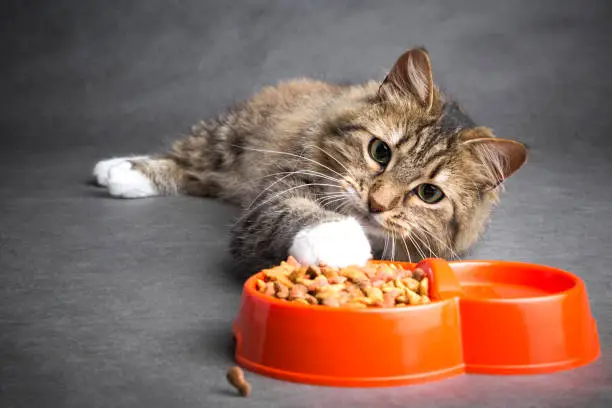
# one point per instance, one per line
(414, 166)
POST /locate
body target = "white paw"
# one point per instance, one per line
(125, 182)
(101, 170)
(337, 244)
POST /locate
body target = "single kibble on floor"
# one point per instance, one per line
(377, 285)
(235, 377)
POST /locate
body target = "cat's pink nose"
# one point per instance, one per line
(375, 207)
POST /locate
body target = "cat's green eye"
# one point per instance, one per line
(429, 193)
(380, 152)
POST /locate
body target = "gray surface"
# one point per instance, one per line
(107, 303)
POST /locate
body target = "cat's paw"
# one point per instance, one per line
(337, 244)
(126, 182)
(101, 171)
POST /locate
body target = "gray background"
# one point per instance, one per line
(109, 303)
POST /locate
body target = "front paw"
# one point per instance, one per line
(337, 244)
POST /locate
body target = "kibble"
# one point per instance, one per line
(235, 377)
(373, 286)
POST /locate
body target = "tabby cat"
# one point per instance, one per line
(337, 174)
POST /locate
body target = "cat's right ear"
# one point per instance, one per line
(411, 76)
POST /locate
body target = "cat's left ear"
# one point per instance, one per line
(501, 157)
(411, 76)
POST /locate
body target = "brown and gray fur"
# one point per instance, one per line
(289, 154)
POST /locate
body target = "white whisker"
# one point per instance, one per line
(417, 246)
(307, 172)
(414, 237)
(288, 174)
(444, 245)
(386, 244)
(331, 201)
(247, 213)
(339, 208)
(338, 161)
(407, 251)
(289, 154)
(393, 247)
(266, 189)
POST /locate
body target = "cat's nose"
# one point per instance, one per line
(375, 207)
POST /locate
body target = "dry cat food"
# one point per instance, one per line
(375, 285)
(235, 376)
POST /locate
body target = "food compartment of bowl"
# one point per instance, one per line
(348, 347)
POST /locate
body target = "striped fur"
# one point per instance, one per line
(295, 155)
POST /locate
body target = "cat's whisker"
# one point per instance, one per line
(266, 189)
(339, 208)
(407, 250)
(414, 238)
(346, 205)
(332, 157)
(416, 245)
(287, 175)
(409, 227)
(442, 243)
(386, 244)
(247, 213)
(288, 154)
(329, 196)
(332, 197)
(307, 172)
(393, 247)
(322, 201)
(339, 205)
(328, 202)
(422, 230)
(330, 193)
(432, 253)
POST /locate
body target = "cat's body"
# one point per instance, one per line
(335, 174)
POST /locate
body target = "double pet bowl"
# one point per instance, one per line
(488, 317)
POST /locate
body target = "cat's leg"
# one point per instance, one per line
(139, 176)
(200, 164)
(297, 226)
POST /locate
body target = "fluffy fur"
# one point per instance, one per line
(296, 157)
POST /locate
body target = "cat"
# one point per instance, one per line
(337, 174)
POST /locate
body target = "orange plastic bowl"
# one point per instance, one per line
(485, 317)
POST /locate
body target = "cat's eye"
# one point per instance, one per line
(429, 193)
(380, 152)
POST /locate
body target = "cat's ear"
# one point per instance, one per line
(411, 76)
(501, 157)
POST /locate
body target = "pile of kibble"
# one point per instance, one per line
(375, 285)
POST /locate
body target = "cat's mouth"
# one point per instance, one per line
(377, 225)
(373, 225)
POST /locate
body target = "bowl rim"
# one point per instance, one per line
(577, 282)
